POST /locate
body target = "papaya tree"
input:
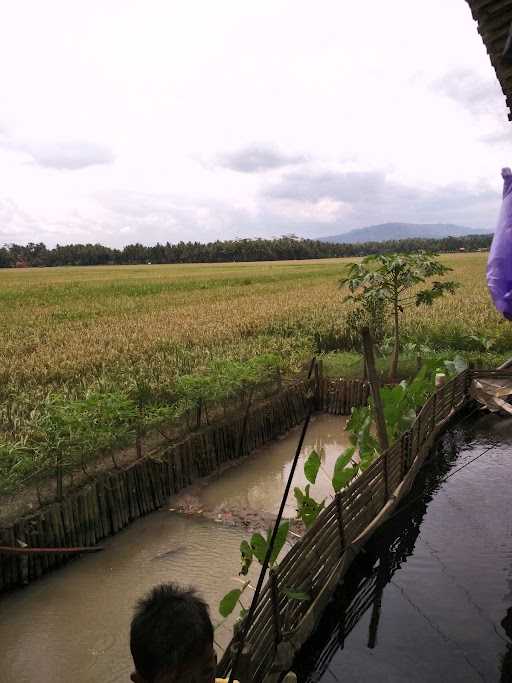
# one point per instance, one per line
(397, 281)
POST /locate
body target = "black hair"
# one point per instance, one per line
(171, 627)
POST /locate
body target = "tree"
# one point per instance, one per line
(392, 281)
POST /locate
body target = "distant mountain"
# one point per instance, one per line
(402, 231)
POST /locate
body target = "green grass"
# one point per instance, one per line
(74, 332)
(349, 364)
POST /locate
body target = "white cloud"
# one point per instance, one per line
(108, 108)
(71, 155)
(325, 210)
(257, 158)
(470, 90)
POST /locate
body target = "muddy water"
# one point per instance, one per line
(431, 599)
(73, 625)
(253, 490)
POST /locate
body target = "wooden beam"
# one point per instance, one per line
(6, 550)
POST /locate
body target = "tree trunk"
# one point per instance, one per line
(380, 421)
(396, 350)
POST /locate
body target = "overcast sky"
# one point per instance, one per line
(124, 121)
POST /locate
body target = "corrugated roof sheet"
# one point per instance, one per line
(494, 18)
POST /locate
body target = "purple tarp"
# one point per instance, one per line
(499, 266)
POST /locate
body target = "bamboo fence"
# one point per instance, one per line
(318, 561)
(362, 591)
(111, 501)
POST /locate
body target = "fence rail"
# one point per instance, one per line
(339, 396)
(321, 557)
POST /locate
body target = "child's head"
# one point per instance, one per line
(171, 638)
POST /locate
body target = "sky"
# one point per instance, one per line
(127, 121)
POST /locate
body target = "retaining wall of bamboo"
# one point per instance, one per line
(339, 396)
(114, 500)
(317, 562)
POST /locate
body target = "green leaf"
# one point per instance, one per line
(259, 547)
(341, 475)
(299, 495)
(280, 540)
(247, 556)
(229, 601)
(309, 509)
(311, 466)
(357, 419)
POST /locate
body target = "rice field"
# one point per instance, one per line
(76, 330)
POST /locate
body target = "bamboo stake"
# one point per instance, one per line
(339, 515)
(276, 616)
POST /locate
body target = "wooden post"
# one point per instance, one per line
(244, 669)
(138, 443)
(404, 454)
(382, 433)
(386, 475)
(276, 616)
(434, 409)
(468, 378)
(241, 659)
(339, 516)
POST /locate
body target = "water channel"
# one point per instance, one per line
(431, 599)
(72, 625)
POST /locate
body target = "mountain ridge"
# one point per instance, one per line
(399, 231)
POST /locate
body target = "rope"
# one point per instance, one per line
(266, 561)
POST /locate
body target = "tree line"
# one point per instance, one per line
(278, 249)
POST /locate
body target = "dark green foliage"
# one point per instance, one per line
(246, 554)
(308, 508)
(70, 433)
(343, 474)
(256, 548)
(282, 248)
(229, 602)
(311, 466)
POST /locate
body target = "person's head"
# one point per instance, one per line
(171, 638)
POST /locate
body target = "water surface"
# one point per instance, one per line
(73, 625)
(431, 600)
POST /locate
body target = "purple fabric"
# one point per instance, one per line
(499, 266)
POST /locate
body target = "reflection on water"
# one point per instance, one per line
(73, 624)
(431, 599)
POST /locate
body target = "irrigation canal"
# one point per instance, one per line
(430, 600)
(72, 625)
